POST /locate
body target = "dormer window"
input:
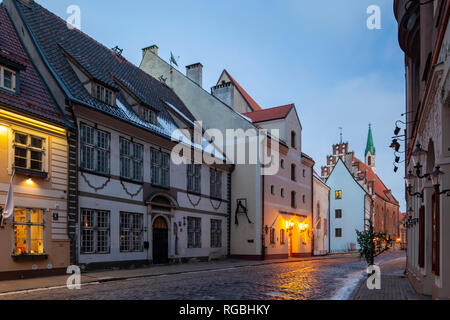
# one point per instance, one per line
(149, 115)
(7, 79)
(103, 94)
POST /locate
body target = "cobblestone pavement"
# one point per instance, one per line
(312, 280)
(394, 284)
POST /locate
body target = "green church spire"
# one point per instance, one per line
(370, 146)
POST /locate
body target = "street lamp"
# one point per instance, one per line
(435, 179)
(417, 154)
(410, 179)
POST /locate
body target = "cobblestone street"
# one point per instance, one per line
(331, 278)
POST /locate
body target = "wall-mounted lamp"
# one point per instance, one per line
(417, 154)
(410, 179)
(435, 179)
(29, 181)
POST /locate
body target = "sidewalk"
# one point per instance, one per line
(18, 286)
(394, 285)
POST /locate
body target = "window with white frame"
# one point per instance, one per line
(95, 149)
(131, 160)
(194, 232)
(28, 231)
(149, 115)
(160, 163)
(95, 231)
(7, 79)
(216, 233)
(215, 183)
(29, 152)
(103, 94)
(194, 178)
(131, 232)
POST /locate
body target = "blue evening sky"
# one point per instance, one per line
(318, 54)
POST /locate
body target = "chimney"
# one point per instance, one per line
(154, 48)
(195, 73)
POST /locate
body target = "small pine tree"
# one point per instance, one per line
(372, 244)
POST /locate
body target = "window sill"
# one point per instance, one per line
(32, 173)
(160, 187)
(132, 181)
(30, 257)
(104, 175)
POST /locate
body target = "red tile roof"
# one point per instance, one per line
(270, 114)
(252, 103)
(379, 187)
(33, 97)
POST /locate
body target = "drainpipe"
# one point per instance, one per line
(263, 239)
(312, 211)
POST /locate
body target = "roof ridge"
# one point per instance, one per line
(253, 104)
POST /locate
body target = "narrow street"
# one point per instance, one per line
(331, 278)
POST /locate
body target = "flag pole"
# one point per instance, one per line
(2, 218)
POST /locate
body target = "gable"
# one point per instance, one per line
(341, 179)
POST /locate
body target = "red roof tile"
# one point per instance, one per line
(252, 103)
(33, 97)
(379, 188)
(270, 114)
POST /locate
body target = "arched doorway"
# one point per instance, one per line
(160, 241)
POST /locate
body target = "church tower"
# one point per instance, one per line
(371, 153)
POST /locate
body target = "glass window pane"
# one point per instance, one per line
(20, 216)
(7, 79)
(37, 142)
(21, 138)
(36, 216)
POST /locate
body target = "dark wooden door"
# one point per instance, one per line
(160, 242)
(422, 237)
(436, 228)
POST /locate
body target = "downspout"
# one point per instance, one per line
(312, 211)
(263, 239)
(329, 221)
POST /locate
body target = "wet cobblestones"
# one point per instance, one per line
(312, 280)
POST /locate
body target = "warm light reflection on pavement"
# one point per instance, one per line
(307, 280)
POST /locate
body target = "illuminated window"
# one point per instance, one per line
(28, 231)
(131, 160)
(131, 232)
(7, 79)
(149, 116)
(95, 149)
(215, 183)
(160, 163)
(339, 214)
(283, 236)
(339, 195)
(272, 236)
(28, 152)
(95, 231)
(194, 232)
(216, 233)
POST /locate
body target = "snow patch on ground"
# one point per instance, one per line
(349, 285)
